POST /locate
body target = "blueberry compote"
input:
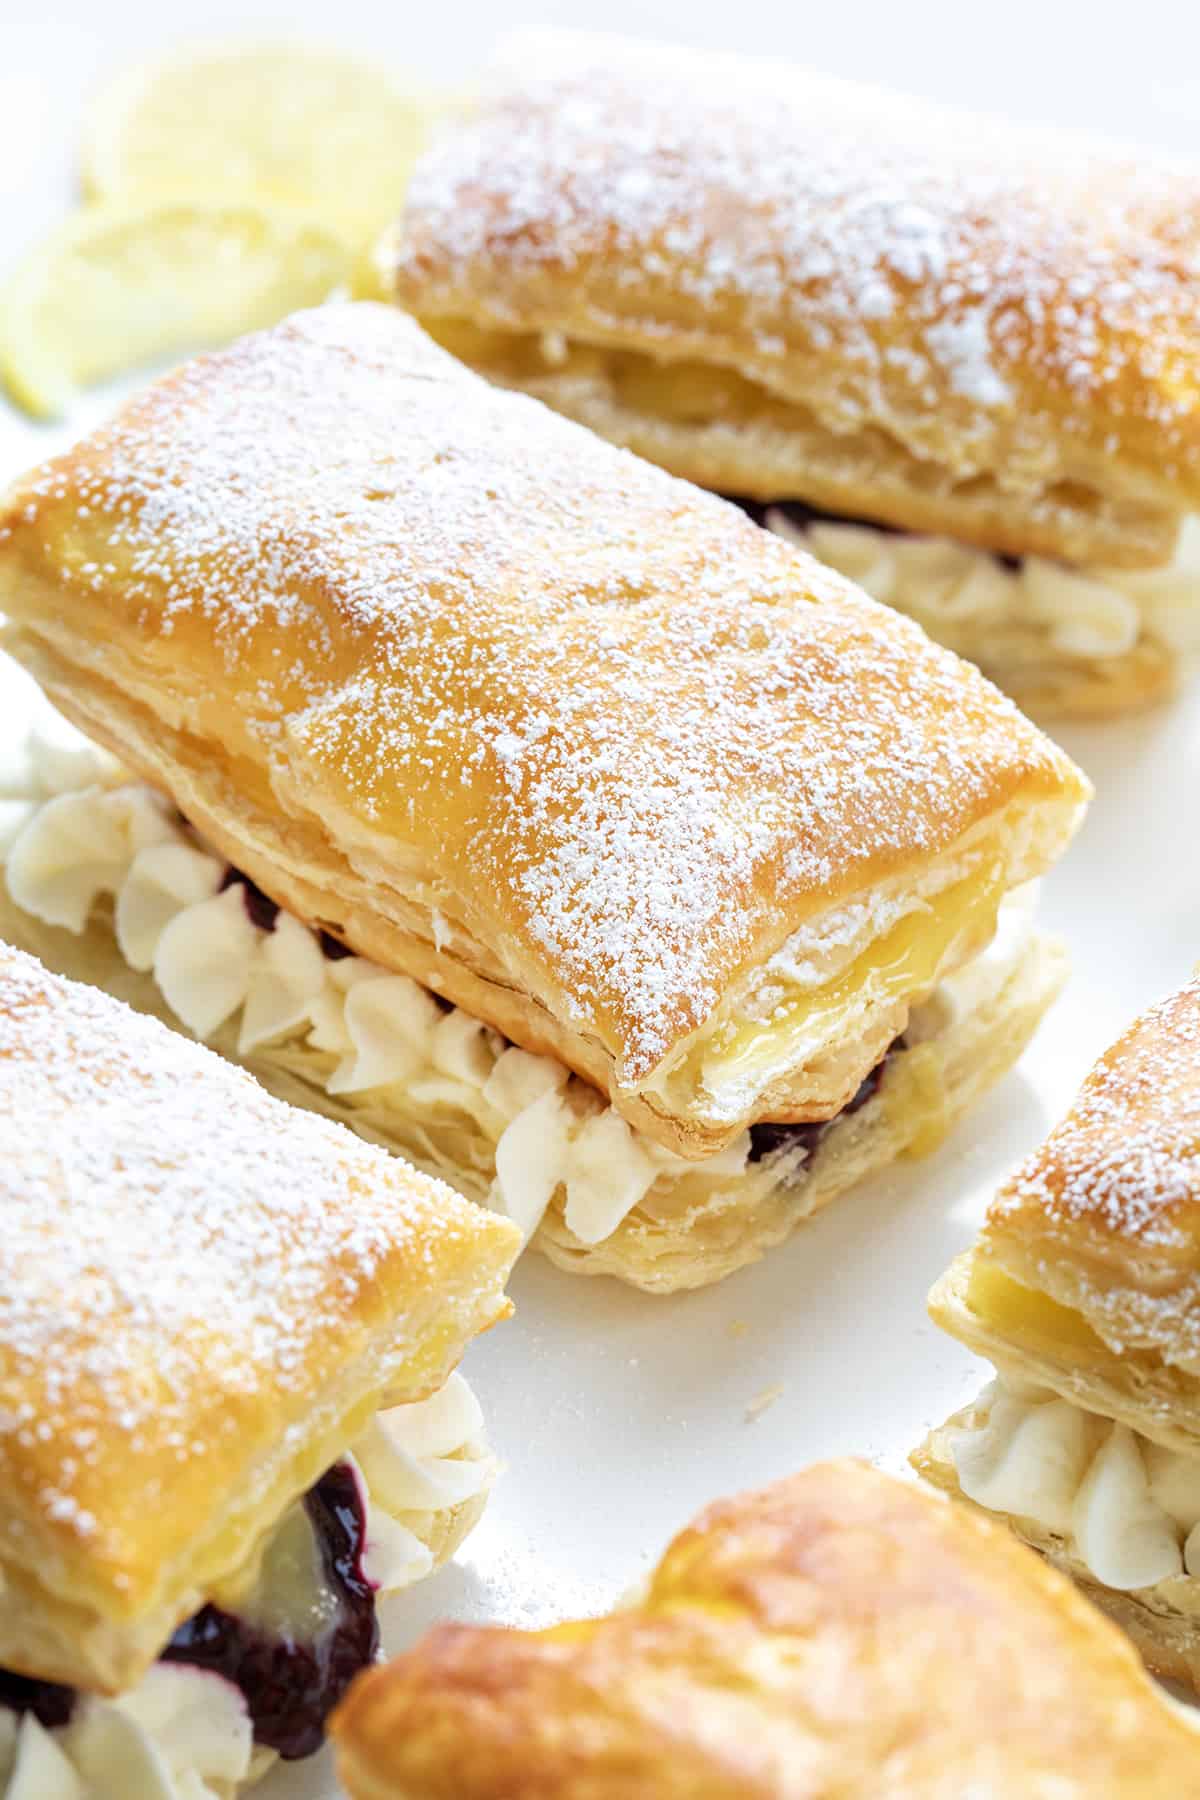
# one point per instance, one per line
(292, 1661)
(291, 1681)
(263, 912)
(262, 909)
(49, 1703)
(768, 1136)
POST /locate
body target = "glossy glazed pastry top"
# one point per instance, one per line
(840, 1633)
(966, 308)
(204, 1295)
(562, 737)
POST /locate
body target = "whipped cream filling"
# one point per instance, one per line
(952, 588)
(184, 1733)
(70, 848)
(1128, 1509)
(369, 1036)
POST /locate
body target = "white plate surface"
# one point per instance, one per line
(619, 1415)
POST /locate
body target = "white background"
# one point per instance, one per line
(618, 1415)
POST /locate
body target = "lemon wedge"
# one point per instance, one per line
(120, 287)
(289, 124)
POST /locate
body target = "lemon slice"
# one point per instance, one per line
(292, 125)
(121, 287)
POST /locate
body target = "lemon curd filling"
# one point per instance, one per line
(904, 963)
(740, 1057)
(685, 391)
(1028, 1318)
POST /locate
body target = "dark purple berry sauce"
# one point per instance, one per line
(49, 1703)
(262, 910)
(291, 1687)
(333, 949)
(769, 1136)
(801, 515)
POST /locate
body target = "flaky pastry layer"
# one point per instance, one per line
(840, 1632)
(106, 883)
(582, 754)
(794, 287)
(1161, 1617)
(1086, 1266)
(712, 426)
(957, 1049)
(1082, 1288)
(204, 1296)
(180, 1734)
(454, 1099)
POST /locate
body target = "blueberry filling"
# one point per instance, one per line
(333, 949)
(290, 1683)
(768, 1136)
(263, 912)
(49, 1703)
(801, 515)
(261, 908)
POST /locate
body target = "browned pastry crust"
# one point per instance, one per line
(204, 1296)
(1086, 1276)
(1085, 1283)
(793, 287)
(839, 1636)
(567, 740)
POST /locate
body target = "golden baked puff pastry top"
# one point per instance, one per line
(866, 314)
(204, 1297)
(1009, 309)
(1083, 1290)
(839, 1636)
(506, 709)
(1087, 1271)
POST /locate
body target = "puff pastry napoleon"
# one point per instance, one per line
(838, 1636)
(957, 359)
(554, 741)
(1084, 1290)
(205, 1298)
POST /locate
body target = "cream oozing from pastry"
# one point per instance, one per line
(1127, 1509)
(958, 592)
(184, 1733)
(369, 1037)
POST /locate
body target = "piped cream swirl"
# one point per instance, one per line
(373, 1039)
(954, 589)
(1128, 1509)
(212, 963)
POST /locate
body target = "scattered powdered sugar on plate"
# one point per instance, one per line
(876, 256)
(633, 733)
(185, 1261)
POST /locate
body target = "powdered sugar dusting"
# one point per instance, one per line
(180, 1257)
(1126, 1156)
(627, 728)
(961, 346)
(876, 257)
